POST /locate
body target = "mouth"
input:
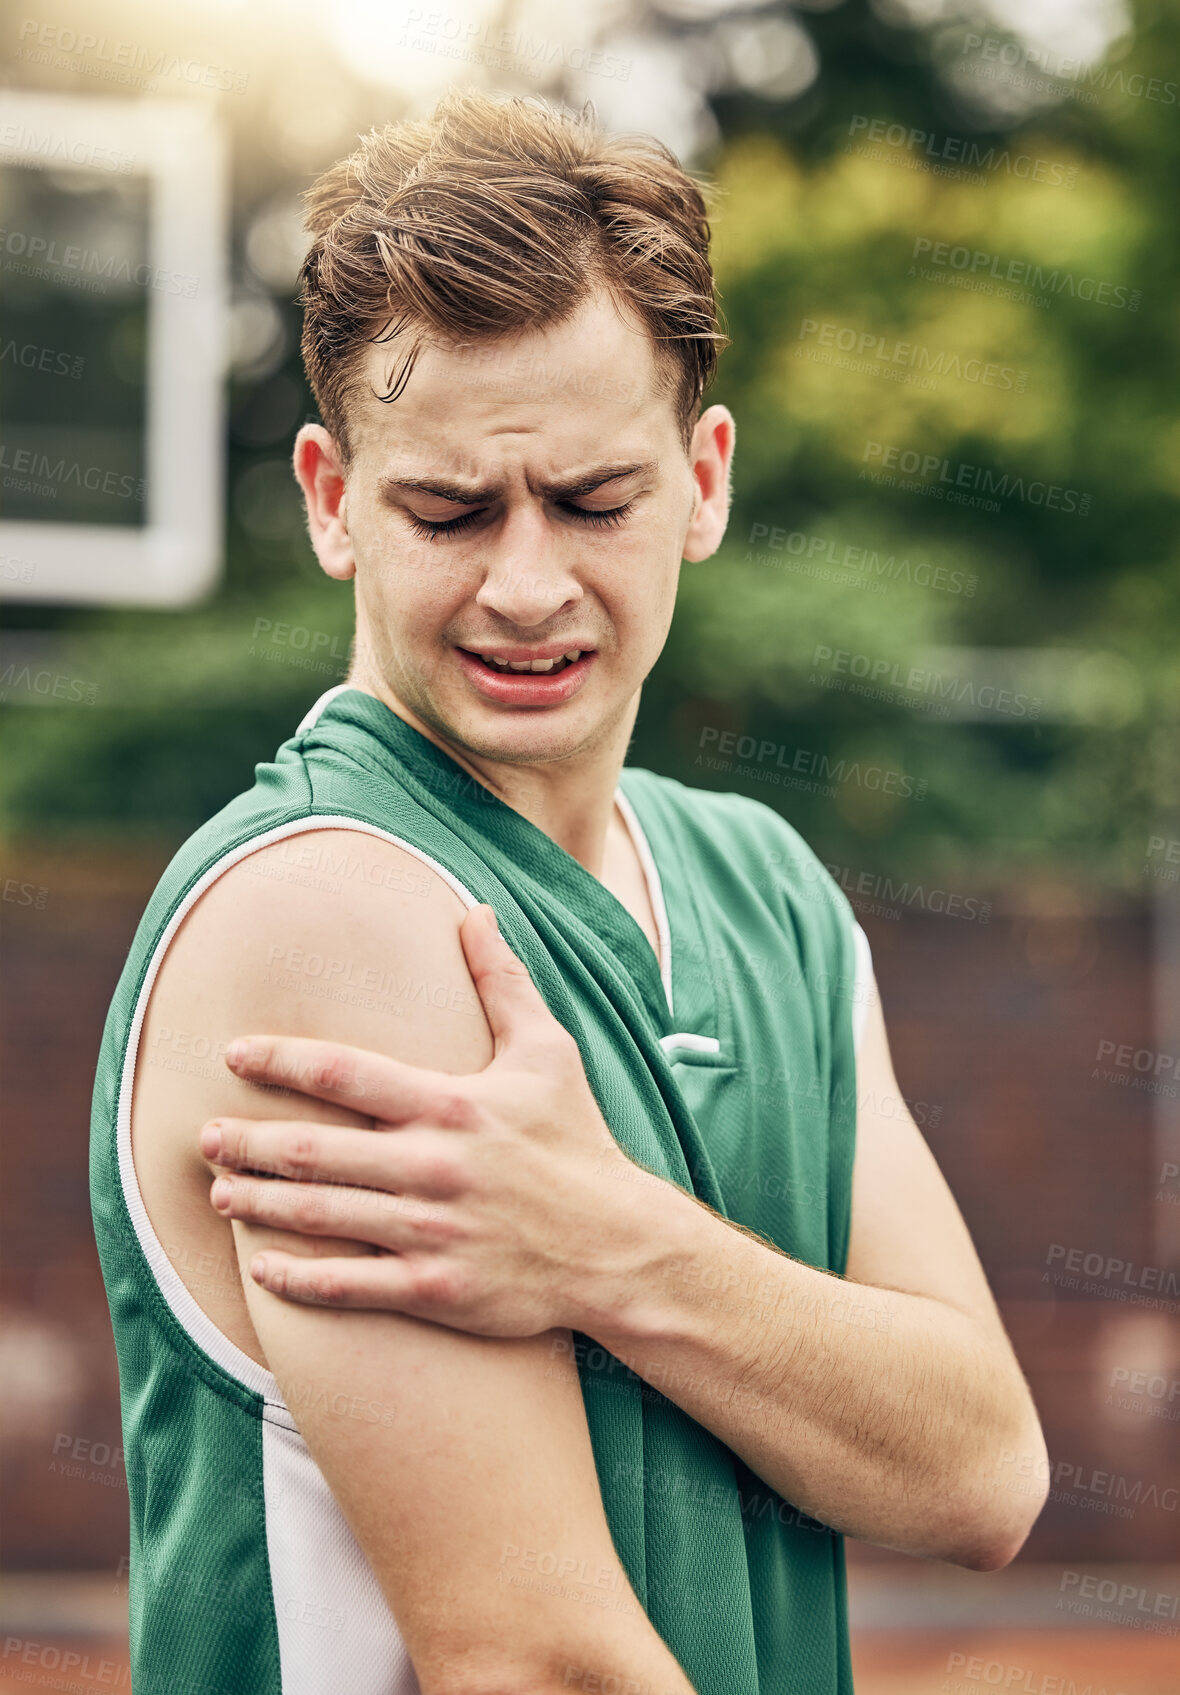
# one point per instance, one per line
(517, 677)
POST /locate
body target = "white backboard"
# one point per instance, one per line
(160, 541)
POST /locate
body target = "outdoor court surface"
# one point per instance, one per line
(917, 1630)
(887, 1663)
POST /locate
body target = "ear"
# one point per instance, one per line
(319, 471)
(711, 453)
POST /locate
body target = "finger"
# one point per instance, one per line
(513, 1004)
(383, 1281)
(393, 1222)
(329, 1071)
(422, 1162)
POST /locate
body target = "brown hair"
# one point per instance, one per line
(496, 215)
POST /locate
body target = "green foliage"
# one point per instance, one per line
(1003, 367)
(818, 243)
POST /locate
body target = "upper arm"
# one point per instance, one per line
(907, 1232)
(482, 1463)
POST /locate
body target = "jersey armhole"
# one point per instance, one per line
(194, 1329)
(863, 984)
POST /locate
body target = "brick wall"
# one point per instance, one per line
(995, 1030)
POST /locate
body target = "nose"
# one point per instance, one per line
(528, 575)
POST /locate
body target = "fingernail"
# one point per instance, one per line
(236, 1052)
(211, 1141)
(221, 1193)
(259, 1269)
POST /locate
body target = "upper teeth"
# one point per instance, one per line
(532, 664)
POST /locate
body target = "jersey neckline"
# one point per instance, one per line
(449, 786)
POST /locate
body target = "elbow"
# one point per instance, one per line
(988, 1543)
(992, 1553)
(1004, 1535)
(1009, 1499)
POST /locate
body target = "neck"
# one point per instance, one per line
(572, 800)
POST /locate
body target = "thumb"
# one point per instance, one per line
(510, 999)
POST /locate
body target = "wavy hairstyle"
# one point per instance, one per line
(495, 215)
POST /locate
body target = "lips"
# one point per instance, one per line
(540, 676)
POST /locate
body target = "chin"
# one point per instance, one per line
(520, 742)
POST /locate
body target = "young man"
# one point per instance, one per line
(609, 1337)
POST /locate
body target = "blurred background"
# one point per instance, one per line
(942, 638)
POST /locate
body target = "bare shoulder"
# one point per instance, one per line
(340, 929)
(332, 933)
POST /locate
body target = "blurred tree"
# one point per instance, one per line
(997, 306)
(950, 281)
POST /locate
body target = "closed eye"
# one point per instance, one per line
(453, 526)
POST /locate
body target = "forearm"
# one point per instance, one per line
(893, 1417)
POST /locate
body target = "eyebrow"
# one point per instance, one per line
(471, 494)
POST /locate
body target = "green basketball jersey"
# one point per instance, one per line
(726, 1066)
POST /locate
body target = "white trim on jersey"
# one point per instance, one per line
(311, 716)
(192, 1317)
(336, 1631)
(655, 891)
(315, 1560)
(685, 1039)
(862, 987)
(647, 862)
(862, 992)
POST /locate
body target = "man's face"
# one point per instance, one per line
(522, 500)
